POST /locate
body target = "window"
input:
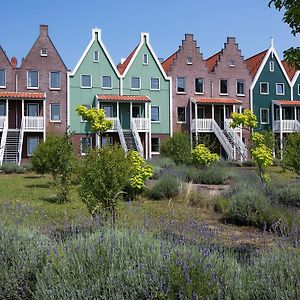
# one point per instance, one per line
(199, 85)
(108, 110)
(154, 84)
(154, 113)
(264, 88)
(200, 112)
(32, 109)
(298, 89)
(85, 145)
(180, 84)
(223, 86)
(44, 52)
(232, 63)
(279, 88)
(145, 59)
(32, 142)
(240, 88)
(271, 65)
(181, 115)
(135, 83)
(2, 79)
(277, 114)
(106, 82)
(96, 56)
(107, 140)
(136, 111)
(189, 60)
(264, 116)
(2, 109)
(155, 145)
(33, 79)
(55, 80)
(54, 112)
(88, 106)
(86, 81)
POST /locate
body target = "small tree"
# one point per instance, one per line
(291, 153)
(97, 119)
(203, 157)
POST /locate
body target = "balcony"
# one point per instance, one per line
(33, 123)
(286, 126)
(142, 124)
(205, 125)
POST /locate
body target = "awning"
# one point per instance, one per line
(20, 95)
(286, 102)
(204, 100)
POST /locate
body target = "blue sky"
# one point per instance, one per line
(70, 22)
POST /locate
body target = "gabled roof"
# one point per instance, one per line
(205, 100)
(20, 95)
(166, 64)
(253, 63)
(287, 102)
(290, 70)
(131, 98)
(122, 66)
(211, 62)
(4, 54)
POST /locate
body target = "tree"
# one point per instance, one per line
(291, 153)
(292, 18)
(97, 119)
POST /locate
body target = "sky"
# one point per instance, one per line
(70, 23)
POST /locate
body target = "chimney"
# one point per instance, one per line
(44, 30)
(14, 62)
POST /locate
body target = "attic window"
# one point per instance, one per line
(189, 60)
(232, 63)
(145, 59)
(96, 56)
(271, 66)
(44, 52)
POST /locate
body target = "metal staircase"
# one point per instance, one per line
(11, 148)
(129, 140)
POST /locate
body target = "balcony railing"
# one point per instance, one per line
(202, 124)
(286, 125)
(33, 123)
(2, 121)
(142, 124)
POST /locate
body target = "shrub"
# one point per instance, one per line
(286, 195)
(178, 148)
(221, 205)
(202, 156)
(11, 168)
(161, 162)
(248, 163)
(291, 153)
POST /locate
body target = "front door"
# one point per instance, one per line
(125, 115)
(14, 114)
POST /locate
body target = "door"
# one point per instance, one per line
(14, 114)
(125, 115)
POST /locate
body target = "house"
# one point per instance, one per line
(33, 99)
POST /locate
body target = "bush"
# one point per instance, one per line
(11, 168)
(178, 148)
(221, 205)
(166, 187)
(249, 163)
(202, 156)
(291, 153)
(286, 195)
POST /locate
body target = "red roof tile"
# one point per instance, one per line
(20, 95)
(122, 66)
(166, 64)
(290, 70)
(123, 98)
(212, 61)
(253, 63)
(287, 102)
(216, 100)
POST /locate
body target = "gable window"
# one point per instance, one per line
(279, 88)
(32, 142)
(86, 81)
(55, 80)
(154, 113)
(2, 109)
(271, 65)
(264, 116)
(181, 115)
(155, 145)
(264, 88)
(223, 86)
(108, 110)
(180, 84)
(189, 60)
(240, 87)
(154, 83)
(54, 112)
(106, 82)
(44, 52)
(232, 63)
(33, 79)
(96, 56)
(145, 59)
(2, 79)
(199, 85)
(32, 109)
(135, 83)
(85, 145)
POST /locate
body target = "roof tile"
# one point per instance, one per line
(123, 98)
(253, 63)
(20, 95)
(216, 100)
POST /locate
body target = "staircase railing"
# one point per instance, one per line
(20, 145)
(121, 136)
(3, 140)
(240, 145)
(222, 138)
(137, 139)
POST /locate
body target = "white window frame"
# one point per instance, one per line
(155, 152)
(220, 86)
(177, 92)
(145, 61)
(91, 143)
(189, 60)
(283, 85)
(88, 106)
(199, 93)
(260, 84)
(54, 88)
(38, 80)
(44, 52)
(271, 66)
(298, 89)
(151, 89)
(3, 86)
(111, 108)
(28, 138)
(96, 59)
(268, 114)
(140, 83)
(181, 122)
(111, 83)
(158, 121)
(50, 108)
(86, 87)
(240, 80)
(35, 104)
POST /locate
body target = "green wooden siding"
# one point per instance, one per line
(296, 89)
